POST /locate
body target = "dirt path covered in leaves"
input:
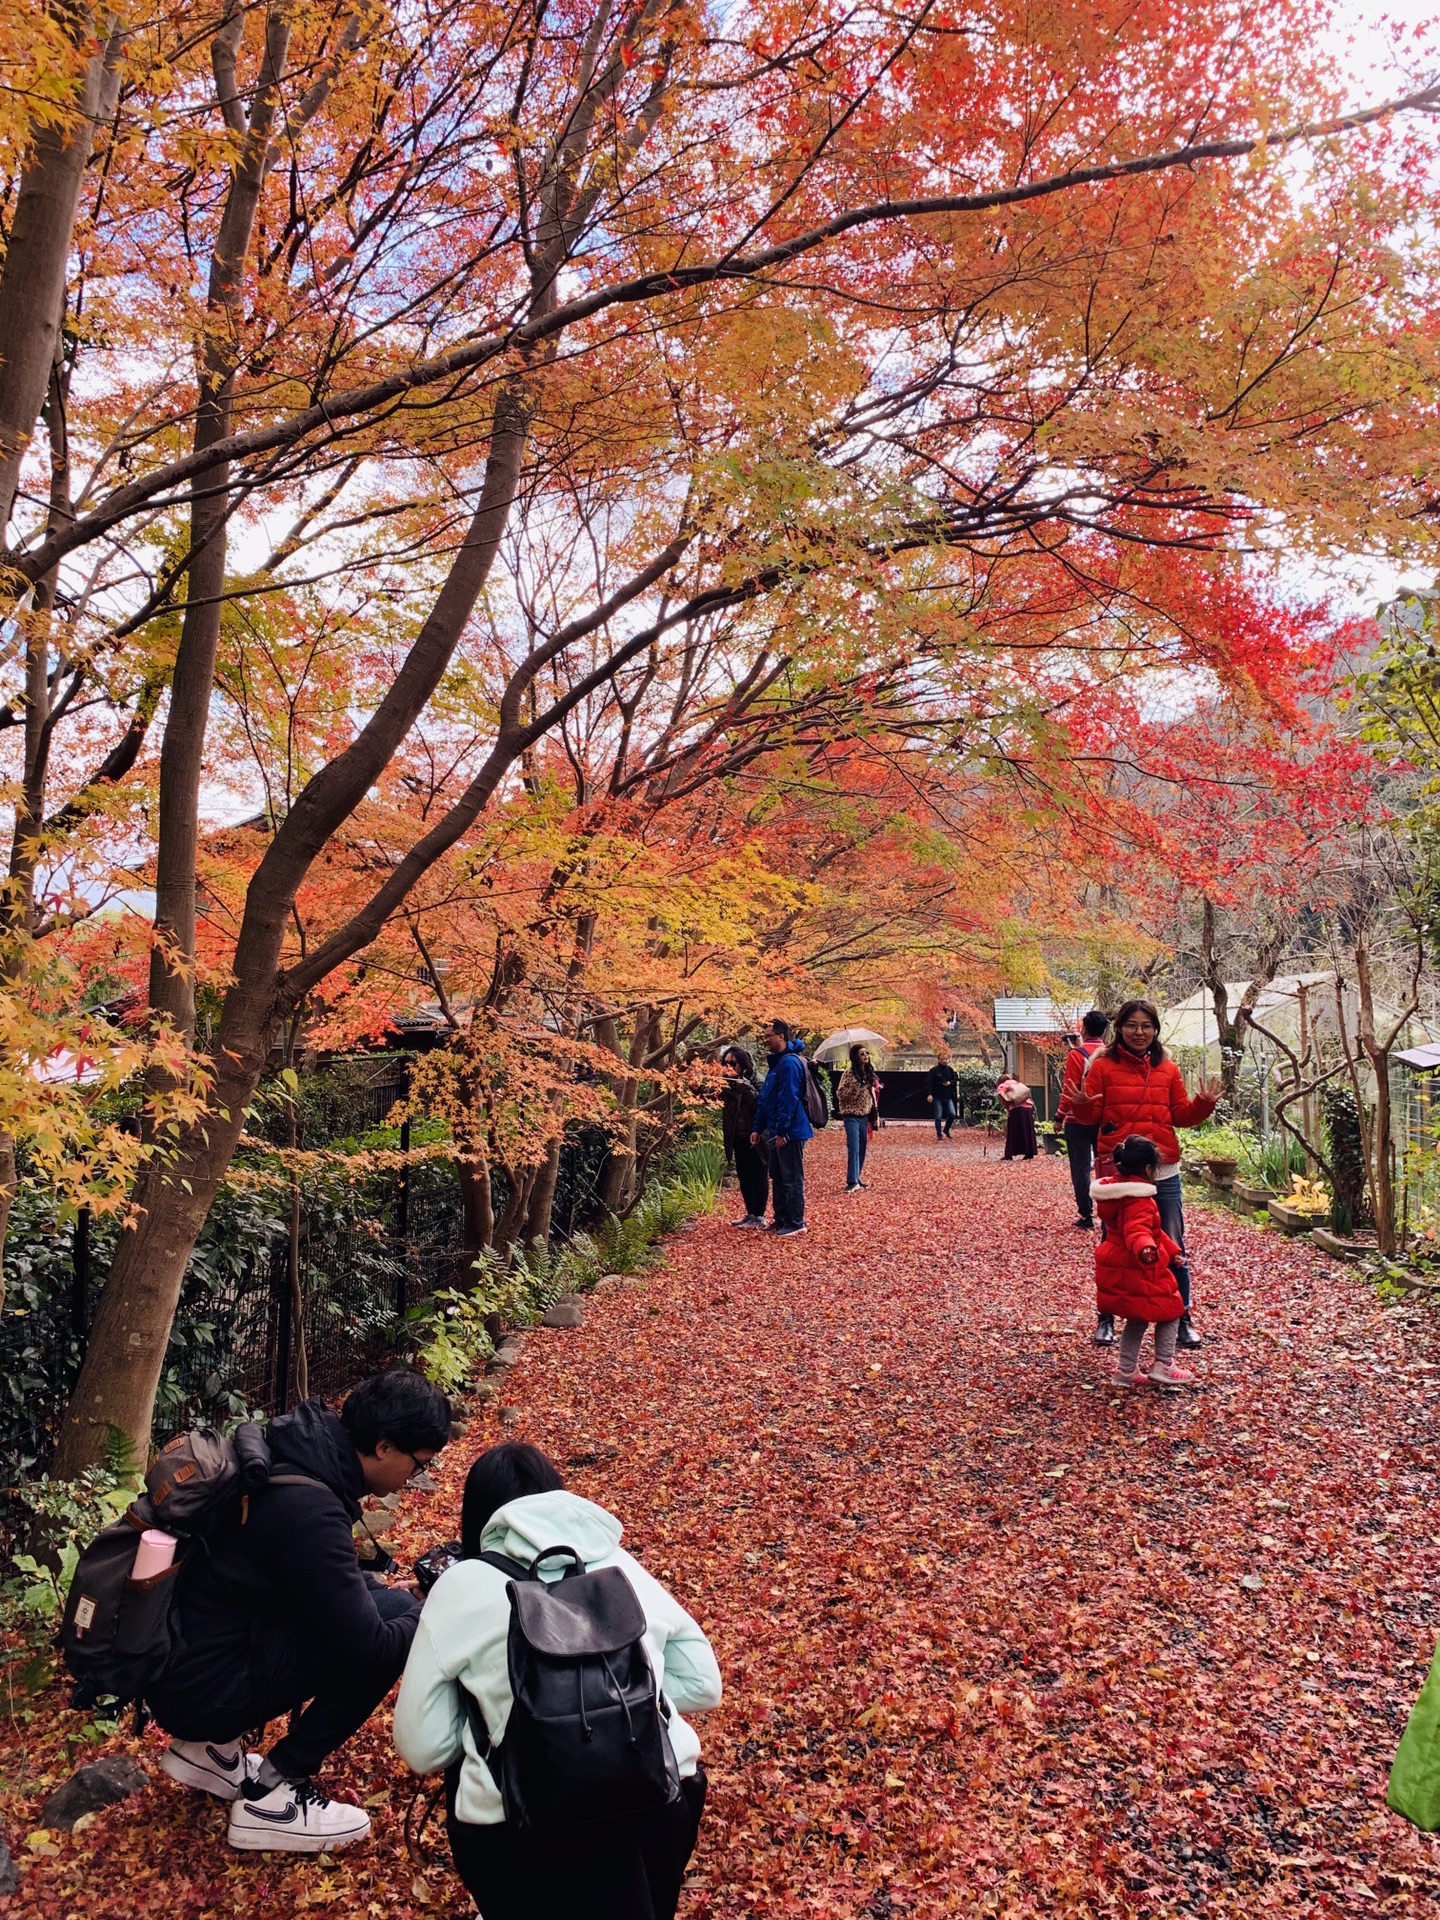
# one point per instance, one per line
(995, 1640)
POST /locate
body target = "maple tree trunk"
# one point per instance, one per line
(1269, 949)
(617, 1175)
(182, 752)
(116, 1389)
(32, 286)
(477, 1207)
(1381, 1126)
(542, 1198)
(9, 1182)
(517, 1200)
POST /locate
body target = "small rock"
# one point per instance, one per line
(509, 1415)
(563, 1315)
(9, 1872)
(613, 1280)
(569, 1300)
(503, 1357)
(102, 1784)
(422, 1483)
(484, 1392)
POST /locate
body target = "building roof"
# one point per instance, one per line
(1016, 1015)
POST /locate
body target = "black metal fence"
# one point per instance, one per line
(366, 1257)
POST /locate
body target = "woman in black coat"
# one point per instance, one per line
(738, 1121)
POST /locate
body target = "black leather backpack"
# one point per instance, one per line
(586, 1741)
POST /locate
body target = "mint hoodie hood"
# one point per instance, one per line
(560, 1519)
(461, 1642)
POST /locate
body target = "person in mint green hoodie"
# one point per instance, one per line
(516, 1504)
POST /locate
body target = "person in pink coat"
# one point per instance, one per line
(1020, 1142)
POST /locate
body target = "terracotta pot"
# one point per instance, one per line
(1223, 1171)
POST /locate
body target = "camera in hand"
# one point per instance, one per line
(433, 1562)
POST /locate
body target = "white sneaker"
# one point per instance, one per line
(220, 1767)
(295, 1817)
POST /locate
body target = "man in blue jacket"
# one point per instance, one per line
(781, 1117)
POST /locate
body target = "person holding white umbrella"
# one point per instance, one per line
(858, 1100)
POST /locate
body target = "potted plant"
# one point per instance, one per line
(1222, 1148)
(1052, 1137)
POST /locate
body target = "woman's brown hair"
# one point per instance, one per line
(1148, 1008)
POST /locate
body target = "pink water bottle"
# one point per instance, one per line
(155, 1553)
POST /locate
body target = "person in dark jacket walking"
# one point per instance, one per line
(1080, 1140)
(942, 1085)
(277, 1613)
(737, 1120)
(781, 1118)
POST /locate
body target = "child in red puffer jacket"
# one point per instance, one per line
(1133, 1265)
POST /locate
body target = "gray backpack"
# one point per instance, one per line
(118, 1633)
(813, 1096)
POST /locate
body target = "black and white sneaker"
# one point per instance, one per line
(221, 1767)
(789, 1233)
(295, 1817)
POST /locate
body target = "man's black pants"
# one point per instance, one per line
(197, 1701)
(1080, 1145)
(787, 1182)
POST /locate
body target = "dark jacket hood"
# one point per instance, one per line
(312, 1440)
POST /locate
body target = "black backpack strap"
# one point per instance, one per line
(475, 1719)
(515, 1568)
(479, 1732)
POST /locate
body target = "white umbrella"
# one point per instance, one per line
(851, 1037)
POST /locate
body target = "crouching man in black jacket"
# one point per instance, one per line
(278, 1614)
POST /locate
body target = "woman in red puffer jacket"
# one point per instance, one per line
(1134, 1264)
(1135, 1087)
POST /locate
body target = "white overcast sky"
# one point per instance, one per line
(1366, 33)
(1385, 50)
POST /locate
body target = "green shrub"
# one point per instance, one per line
(64, 1516)
(1229, 1141)
(974, 1085)
(451, 1343)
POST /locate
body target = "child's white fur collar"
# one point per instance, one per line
(1121, 1190)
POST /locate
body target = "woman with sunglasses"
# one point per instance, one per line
(1133, 1086)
